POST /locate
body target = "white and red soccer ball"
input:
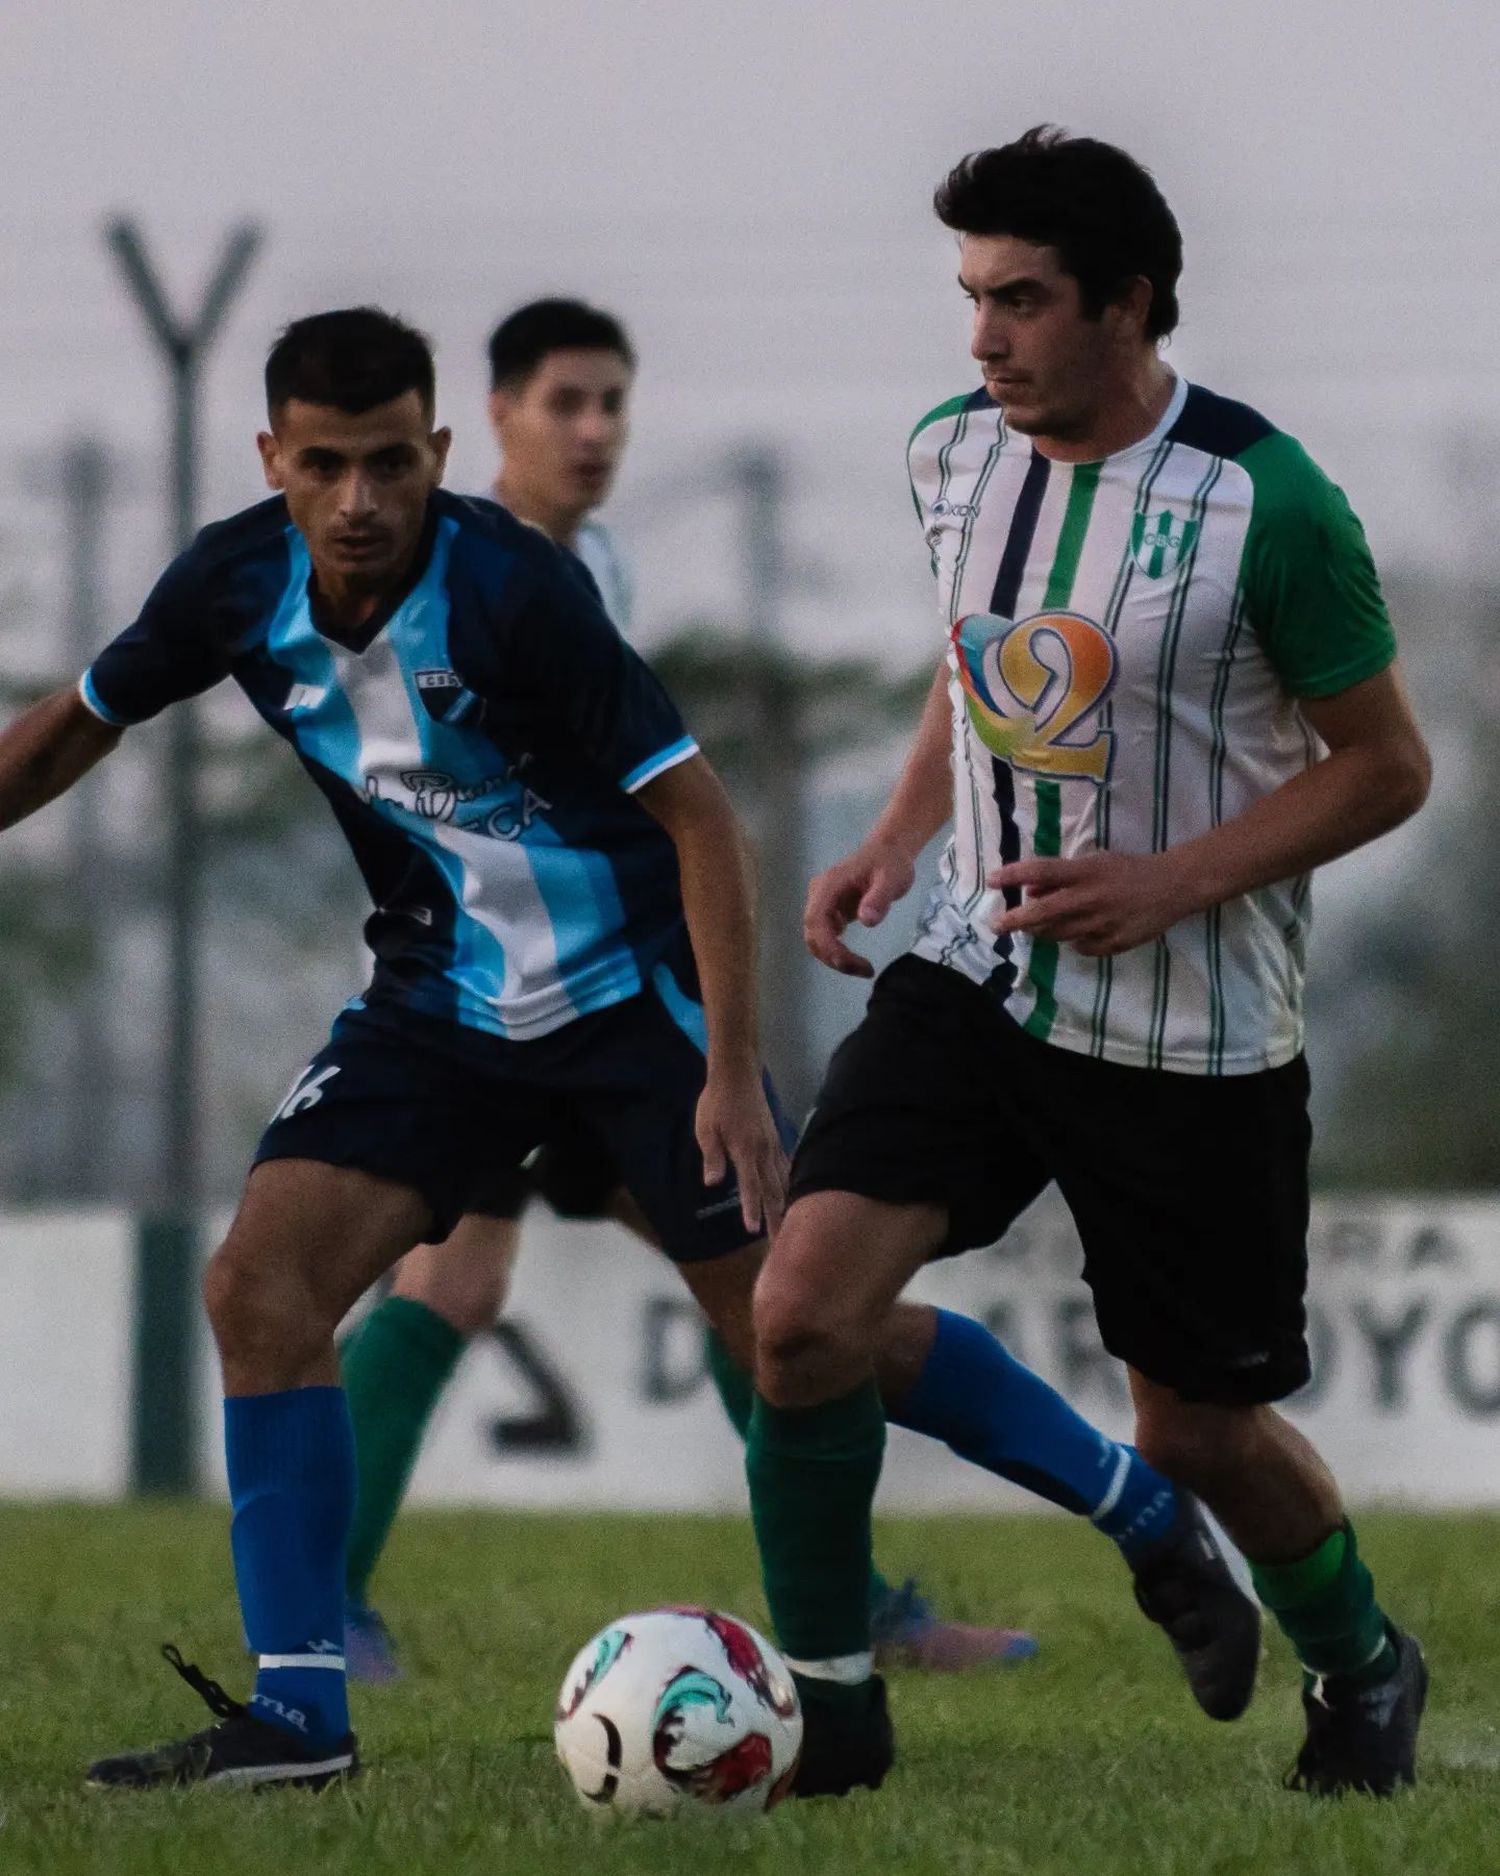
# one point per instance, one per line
(678, 1707)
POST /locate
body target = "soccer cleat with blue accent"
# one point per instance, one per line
(1363, 1739)
(847, 1738)
(1184, 1584)
(369, 1652)
(906, 1632)
(239, 1750)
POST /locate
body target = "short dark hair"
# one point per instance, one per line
(1095, 204)
(524, 338)
(354, 359)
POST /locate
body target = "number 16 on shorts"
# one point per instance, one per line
(305, 1092)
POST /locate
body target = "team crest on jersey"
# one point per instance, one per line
(449, 700)
(1160, 542)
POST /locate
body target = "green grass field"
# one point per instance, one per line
(1087, 1761)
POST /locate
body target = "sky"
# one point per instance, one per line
(750, 187)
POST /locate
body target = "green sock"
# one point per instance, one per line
(396, 1364)
(813, 1473)
(737, 1396)
(1327, 1610)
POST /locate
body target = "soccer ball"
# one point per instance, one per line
(679, 1707)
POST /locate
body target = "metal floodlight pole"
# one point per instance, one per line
(183, 347)
(167, 1264)
(781, 762)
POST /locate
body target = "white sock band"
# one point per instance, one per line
(848, 1670)
(1116, 1486)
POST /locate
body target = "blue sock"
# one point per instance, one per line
(974, 1396)
(291, 1482)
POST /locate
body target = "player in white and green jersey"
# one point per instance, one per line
(1168, 695)
(1163, 612)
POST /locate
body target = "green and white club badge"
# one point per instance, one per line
(1160, 541)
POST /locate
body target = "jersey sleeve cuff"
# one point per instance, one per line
(90, 699)
(1346, 676)
(658, 764)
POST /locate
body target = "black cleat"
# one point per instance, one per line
(240, 1750)
(1364, 1739)
(844, 1743)
(1184, 1584)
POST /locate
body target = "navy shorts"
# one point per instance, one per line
(455, 1113)
(573, 1172)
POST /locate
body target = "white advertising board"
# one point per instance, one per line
(67, 1296)
(594, 1393)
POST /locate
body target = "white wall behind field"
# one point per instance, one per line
(65, 1353)
(597, 1395)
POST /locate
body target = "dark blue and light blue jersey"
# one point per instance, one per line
(480, 746)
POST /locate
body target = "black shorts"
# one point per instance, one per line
(454, 1113)
(1189, 1191)
(573, 1172)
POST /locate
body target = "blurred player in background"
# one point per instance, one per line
(561, 374)
(1169, 694)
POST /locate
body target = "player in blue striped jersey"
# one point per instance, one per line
(553, 865)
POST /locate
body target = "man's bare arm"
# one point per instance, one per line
(735, 1123)
(45, 750)
(882, 868)
(1375, 775)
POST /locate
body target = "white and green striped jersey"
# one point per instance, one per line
(595, 547)
(1127, 642)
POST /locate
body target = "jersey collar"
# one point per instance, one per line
(1163, 425)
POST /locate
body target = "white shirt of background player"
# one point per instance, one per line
(595, 547)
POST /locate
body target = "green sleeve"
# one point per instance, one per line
(1312, 593)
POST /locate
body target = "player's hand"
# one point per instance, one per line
(736, 1128)
(863, 887)
(1100, 904)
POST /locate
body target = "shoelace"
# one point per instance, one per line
(209, 1692)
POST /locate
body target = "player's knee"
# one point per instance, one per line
(471, 1306)
(485, 1296)
(475, 1310)
(259, 1319)
(806, 1341)
(223, 1295)
(477, 1315)
(466, 1279)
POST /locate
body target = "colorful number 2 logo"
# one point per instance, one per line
(1032, 687)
